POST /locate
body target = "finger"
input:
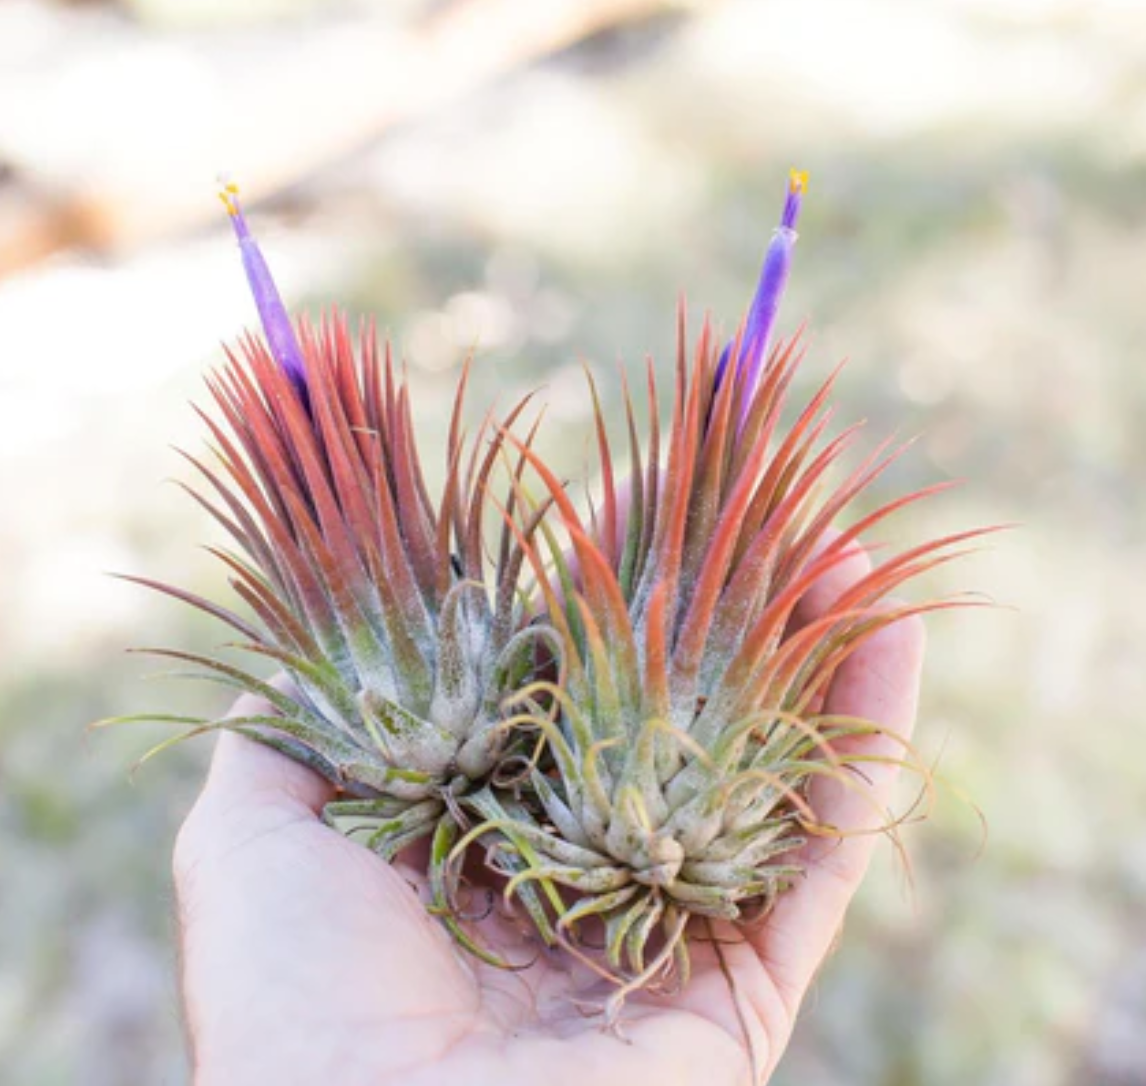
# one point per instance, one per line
(243, 770)
(249, 788)
(853, 565)
(284, 920)
(878, 682)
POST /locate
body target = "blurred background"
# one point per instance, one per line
(542, 178)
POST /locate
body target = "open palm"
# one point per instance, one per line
(308, 959)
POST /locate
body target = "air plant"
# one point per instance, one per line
(689, 722)
(377, 601)
(613, 706)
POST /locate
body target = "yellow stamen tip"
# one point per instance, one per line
(228, 191)
(798, 181)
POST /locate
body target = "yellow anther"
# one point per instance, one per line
(228, 191)
(798, 181)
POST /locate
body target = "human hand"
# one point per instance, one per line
(308, 959)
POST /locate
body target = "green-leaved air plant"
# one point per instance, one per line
(611, 706)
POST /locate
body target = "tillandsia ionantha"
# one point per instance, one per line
(615, 707)
(690, 719)
(375, 600)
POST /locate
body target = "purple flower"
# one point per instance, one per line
(773, 279)
(276, 322)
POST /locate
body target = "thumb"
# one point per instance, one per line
(245, 771)
(250, 789)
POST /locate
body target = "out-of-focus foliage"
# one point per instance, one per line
(974, 241)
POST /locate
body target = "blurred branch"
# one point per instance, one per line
(137, 155)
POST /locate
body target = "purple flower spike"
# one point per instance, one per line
(773, 279)
(276, 322)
